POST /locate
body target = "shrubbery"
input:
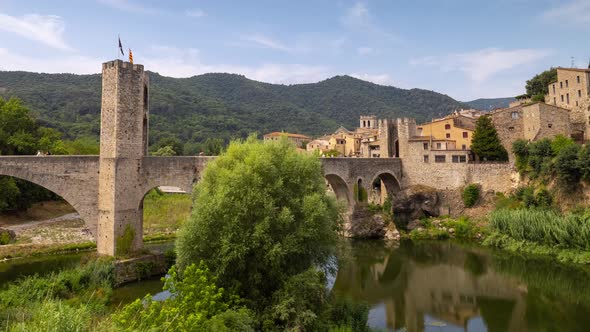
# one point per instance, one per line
(470, 195)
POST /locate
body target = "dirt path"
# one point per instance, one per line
(37, 223)
(68, 228)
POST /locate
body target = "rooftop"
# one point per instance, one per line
(583, 70)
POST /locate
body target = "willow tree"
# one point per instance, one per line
(262, 222)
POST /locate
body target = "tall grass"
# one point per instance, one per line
(165, 212)
(544, 227)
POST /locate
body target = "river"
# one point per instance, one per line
(428, 286)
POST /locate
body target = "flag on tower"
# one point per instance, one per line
(121, 47)
(130, 56)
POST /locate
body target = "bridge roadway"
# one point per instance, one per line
(76, 178)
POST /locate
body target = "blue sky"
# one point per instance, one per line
(466, 49)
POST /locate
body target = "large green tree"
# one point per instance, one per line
(262, 223)
(485, 143)
(538, 85)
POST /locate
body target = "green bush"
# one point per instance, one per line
(470, 195)
(584, 162)
(195, 304)
(567, 167)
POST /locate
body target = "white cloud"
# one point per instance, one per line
(75, 64)
(128, 6)
(197, 13)
(266, 42)
(576, 12)
(365, 50)
(482, 64)
(382, 79)
(45, 29)
(358, 14)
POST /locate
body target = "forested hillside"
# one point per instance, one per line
(488, 104)
(223, 105)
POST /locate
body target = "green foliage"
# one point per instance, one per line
(360, 194)
(538, 98)
(470, 195)
(332, 153)
(4, 238)
(540, 158)
(561, 142)
(84, 145)
(521, 151)
(197, 304)
(68, 300)
(544, 227)
(584, 162)
(165, 151)
(538, 85)
(348, 315)
(263, 217)
(223, 106)
(485, 143)
(567, 167)
(125, 241)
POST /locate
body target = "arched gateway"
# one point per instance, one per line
(107, 190)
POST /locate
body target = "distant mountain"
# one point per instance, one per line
(223, 105)
(488, 104)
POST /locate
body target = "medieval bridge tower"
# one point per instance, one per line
(123, 145)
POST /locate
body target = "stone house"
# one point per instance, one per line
(572, 92)
(531, 122)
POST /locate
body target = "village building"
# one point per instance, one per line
(530, 122)
(321, 144)
(457, 129)
(572, 92)
(299, 140)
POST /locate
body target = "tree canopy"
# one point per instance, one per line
(485, 142)
(538, 85)
(262, 223)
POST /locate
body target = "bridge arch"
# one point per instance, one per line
(339, 187)
(163, 211)
(386, 185)
(77, 203)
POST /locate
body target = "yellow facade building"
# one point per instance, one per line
(456, 127)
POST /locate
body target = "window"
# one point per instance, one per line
(561, 85)
(566, 83)
(438, 146)
(510, 128)
(549, 125)
(515, 115)
(579, 93)
(463, 147)
(567, 95)
(425, 146)
(440, 159)
(576, 103)
(554, 101)
(578, 78)
(448, 135)
(562, 98)
(553, 88)
(465, 134)
(425, 158)
(447, 126)
(459, 159)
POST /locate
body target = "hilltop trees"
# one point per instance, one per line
(263, 224)
(485, 143)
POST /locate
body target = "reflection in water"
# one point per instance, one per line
(446, 287)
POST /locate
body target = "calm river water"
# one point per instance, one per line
(429, 286)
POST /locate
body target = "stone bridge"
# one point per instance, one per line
(108, 190)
